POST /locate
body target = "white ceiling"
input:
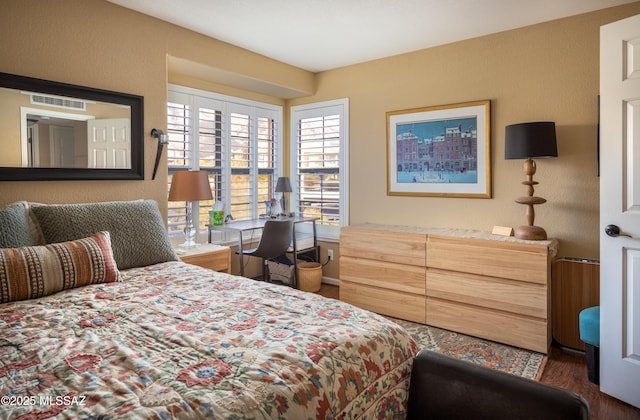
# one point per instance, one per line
(319, 35)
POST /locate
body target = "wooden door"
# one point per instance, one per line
(109, 143)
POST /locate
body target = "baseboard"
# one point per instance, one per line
(330, 280)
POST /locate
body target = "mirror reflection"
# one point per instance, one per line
(60, 131)
(50, 131)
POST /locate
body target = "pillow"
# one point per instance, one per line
(138, 233)
(36, 271)
(14, 226)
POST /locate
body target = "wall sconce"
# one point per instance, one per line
(527, 141)
(162, 140)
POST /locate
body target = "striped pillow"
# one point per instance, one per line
(36, 271)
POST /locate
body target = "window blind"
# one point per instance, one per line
(236, 141)
(319, 164)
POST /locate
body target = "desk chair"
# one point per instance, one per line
(276, 238)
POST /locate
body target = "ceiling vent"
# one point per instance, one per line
(58, 102)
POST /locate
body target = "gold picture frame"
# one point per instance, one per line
(440, 151)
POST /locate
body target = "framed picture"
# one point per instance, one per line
(440, 151)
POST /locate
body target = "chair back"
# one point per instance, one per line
(275, 240)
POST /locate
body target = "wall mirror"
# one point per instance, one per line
(59, 131)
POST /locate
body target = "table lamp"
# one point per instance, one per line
(527, 141)
(190, 186)
(283, 186)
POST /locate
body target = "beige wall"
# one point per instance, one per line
(98, 44)
(547, 72)
(543, 72)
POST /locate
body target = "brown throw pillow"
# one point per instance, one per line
(36, 271)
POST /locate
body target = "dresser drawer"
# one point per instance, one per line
(503, 327)
(400, 277)
(507, 295)
(384, 301)
(384, 245)
(494, 258)
(471, 282)
(218, 260)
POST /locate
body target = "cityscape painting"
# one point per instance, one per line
(440, 151)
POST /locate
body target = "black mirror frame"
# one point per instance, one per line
(136, 104)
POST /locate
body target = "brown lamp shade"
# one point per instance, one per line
(190, 186)
(530, 140)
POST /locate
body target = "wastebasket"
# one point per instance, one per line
(309, 276)
(281, 271)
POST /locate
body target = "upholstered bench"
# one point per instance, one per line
(590, 334)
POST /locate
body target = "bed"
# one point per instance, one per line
(165, 339)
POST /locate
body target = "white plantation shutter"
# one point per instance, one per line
(242, 180)
(255, 159)
(269, 161)
(238, 143)
(319, 164)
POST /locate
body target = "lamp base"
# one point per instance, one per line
(531, 233)
(189, 231)
(188, 245)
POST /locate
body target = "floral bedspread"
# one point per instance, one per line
(178, 341)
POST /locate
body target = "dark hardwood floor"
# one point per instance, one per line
(565, 368)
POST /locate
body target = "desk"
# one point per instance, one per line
(247, 225)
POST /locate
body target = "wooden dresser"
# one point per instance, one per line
(475, 283)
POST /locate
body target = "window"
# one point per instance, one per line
(238, 142)
(319, 156)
